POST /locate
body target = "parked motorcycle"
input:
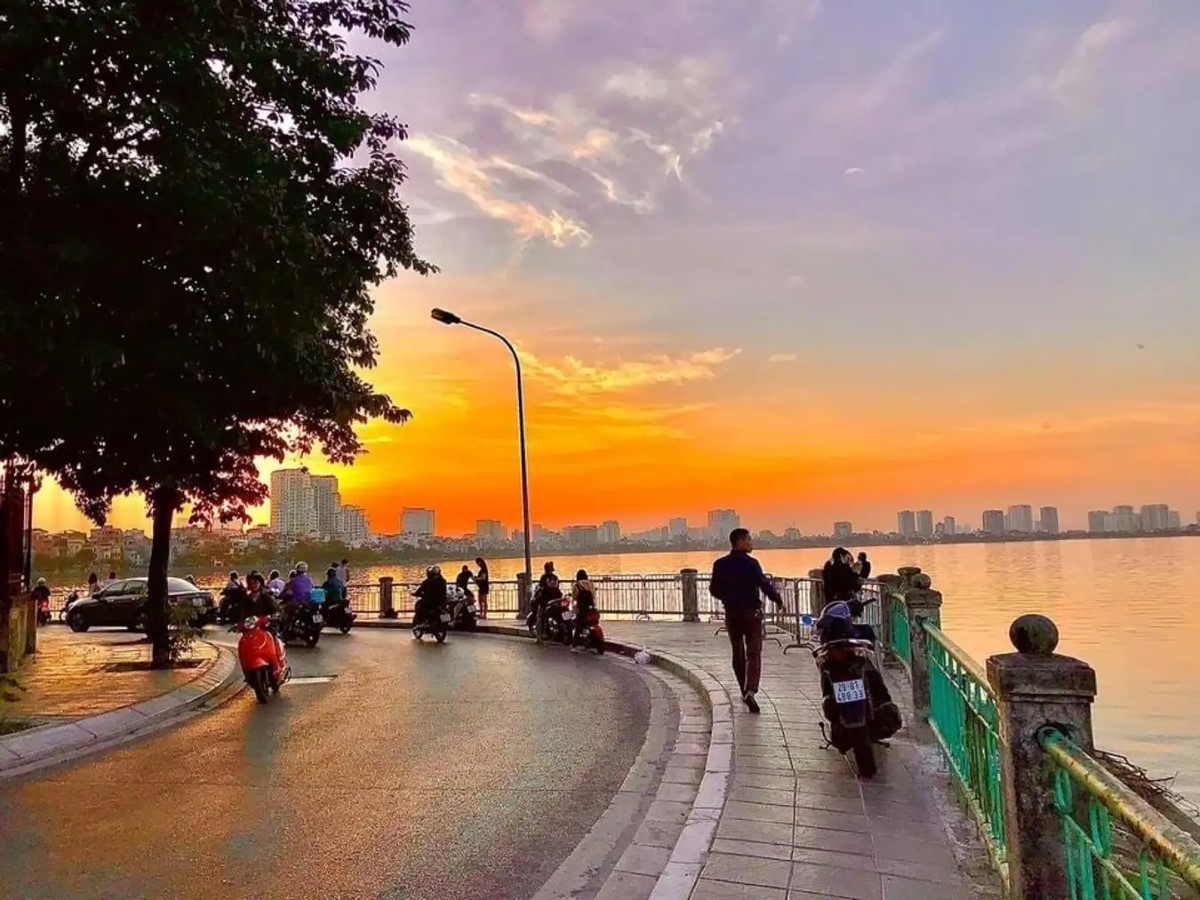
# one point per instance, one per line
(464, 614)
(436, 623)
(558, 620)
(339, 615)
(855, 699)
(592, 634)
(72, 599)
(263, 658)
(304, 624)
(43, 611)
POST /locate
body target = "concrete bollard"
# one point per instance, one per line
(921, 605)
(1036, 687)
(524, 598)
(386, 609)
(688, 579)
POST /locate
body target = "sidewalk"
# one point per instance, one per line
(797, 823)
(76, 675)
(83, 691)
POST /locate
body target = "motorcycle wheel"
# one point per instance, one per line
(345, 629)
(77, 622)
(259, 681)
(599, 644)
(310, 640)
(531, 624)
(441, 636)
(864, 753)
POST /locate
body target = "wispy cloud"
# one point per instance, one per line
(781, 358)
(496, 185)
(572, 376)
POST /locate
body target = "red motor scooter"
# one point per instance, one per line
(593, 634)
(262, 657)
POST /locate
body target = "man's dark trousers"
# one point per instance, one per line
(745, 627)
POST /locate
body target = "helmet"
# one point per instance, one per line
(301, 568)
(41, 582)
(254, 578)
(433, 570)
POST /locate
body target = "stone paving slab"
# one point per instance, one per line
(74, 675)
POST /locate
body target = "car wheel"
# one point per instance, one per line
(141, 623)
(77, 621)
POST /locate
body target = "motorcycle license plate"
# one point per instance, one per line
(849, 691)
(317, 619)
(471, 608)
(445, 617)
(568, 615)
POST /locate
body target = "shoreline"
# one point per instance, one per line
(361, 560)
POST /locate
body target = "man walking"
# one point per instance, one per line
(737, 580)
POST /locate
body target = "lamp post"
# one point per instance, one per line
(449, 318)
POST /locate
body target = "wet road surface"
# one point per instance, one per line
(420, 771)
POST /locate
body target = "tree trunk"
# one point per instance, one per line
(164, 501)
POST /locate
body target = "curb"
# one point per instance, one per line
(47, 744)
(678, 879)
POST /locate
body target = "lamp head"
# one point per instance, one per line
(444, 316)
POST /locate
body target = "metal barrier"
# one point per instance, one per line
(964, 719)
(1116, 844)
(901, 643)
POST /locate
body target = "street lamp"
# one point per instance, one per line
(449, 318)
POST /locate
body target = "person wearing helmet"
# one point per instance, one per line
(232, 606)
(275, 584)
(259, 600)
(431, 595)
(300, 587)
(41, 601)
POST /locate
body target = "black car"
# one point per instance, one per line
(121, 604)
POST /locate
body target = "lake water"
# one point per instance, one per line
(1128, 607)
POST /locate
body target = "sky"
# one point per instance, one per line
(810, 260)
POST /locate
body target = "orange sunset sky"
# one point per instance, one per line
(793, 258)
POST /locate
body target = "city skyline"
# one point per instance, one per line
(675, 209)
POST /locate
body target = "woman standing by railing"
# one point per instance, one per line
(483, 583)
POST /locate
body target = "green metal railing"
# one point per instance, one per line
(1116, 844)
(963, 717)
(901, 645)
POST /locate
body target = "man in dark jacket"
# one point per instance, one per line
(738, 582)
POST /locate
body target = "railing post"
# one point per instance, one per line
(386, 610)
(890, 586)
(691, 596)
(1036, 687)
(921, 605)
(523, 596)
(817, 592)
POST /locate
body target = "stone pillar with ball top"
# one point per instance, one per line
(1036, 687)
(921, 605)
(689, 585)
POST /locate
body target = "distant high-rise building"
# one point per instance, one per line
(293, 511)
(1124, 521)
(939, 530)
(582, 535)
(327, 502)
(490, 531)
(1049, 519)
(721, 522)
(1156, 517)
(1174, 520)
(925, 523)
(609, 532)
(417, 520)
(1096, 521)
(949, 526)
(1020, 518)
(538, 532)
(677, 527)
(993, 521)
(352, 527)
(792, 534)
(906, 523)
(843, 530)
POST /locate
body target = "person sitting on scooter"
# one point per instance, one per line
(335, 591)
(41, 601)
(431, 596)
(463, 581)
(259, 601)
(583, 595)
(275, 584)
(548, 592)
(296, 592)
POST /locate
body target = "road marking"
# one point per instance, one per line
(311, 679)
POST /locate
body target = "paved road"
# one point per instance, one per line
(421, 771)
